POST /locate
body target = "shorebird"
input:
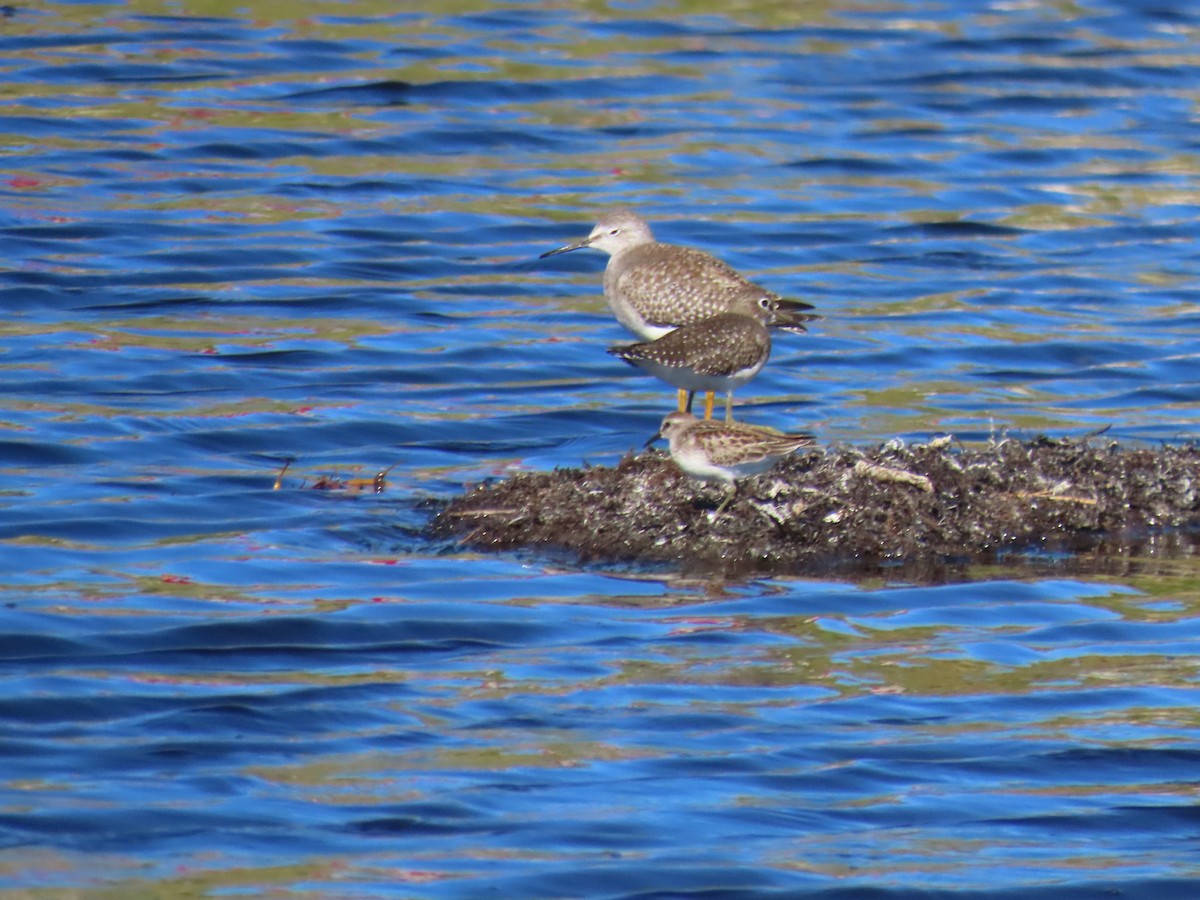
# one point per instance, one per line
(653, 288)
(720, 353)
(726, 451)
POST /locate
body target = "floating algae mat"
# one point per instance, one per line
(848, 508)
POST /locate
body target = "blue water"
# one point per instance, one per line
(238, 236)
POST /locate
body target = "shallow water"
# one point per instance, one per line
(239, 236)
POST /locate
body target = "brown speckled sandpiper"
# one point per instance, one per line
(720, 353)
(653, 288)
(726, 451)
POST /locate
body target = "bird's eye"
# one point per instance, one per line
(615, 231)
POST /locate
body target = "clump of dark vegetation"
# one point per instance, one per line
(919, 509)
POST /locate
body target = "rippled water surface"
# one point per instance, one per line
(235, 236)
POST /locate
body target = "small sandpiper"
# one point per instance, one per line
(726, 451)
(653, 288)
(720, 353)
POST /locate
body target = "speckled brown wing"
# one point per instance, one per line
(720, 345)
(673, 285)
(731, 444)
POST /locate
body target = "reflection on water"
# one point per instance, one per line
(309, 232)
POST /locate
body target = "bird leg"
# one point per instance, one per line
(729, 406)
(685, 400)
(709, 397)
(729, 495)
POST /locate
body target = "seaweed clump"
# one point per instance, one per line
(919, 506)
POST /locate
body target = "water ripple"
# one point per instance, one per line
(311, 237)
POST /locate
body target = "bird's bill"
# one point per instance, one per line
(578, 245)
(795, 328)
(795, 306)
(657, 436)
(792, 316)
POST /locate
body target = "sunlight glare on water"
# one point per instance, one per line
(237, 237)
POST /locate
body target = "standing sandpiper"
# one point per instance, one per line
(726, 451)
(653, 288)
(719, 353)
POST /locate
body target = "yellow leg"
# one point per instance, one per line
(709, 396)
(730, 493)
(685, 401)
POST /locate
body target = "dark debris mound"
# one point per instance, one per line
(845, 507)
